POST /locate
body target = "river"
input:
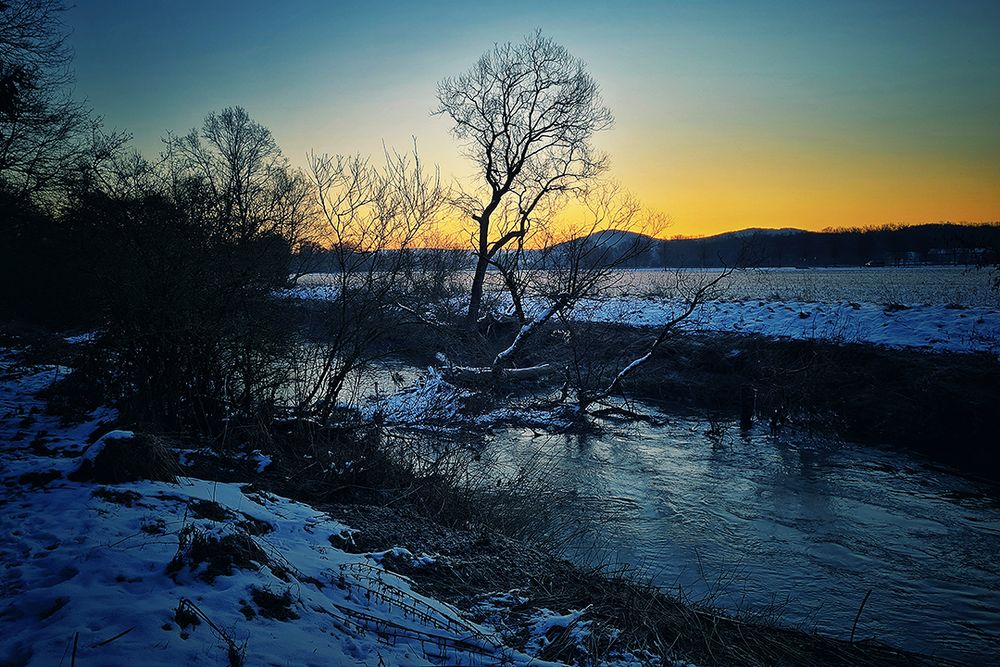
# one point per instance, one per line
(803, 525)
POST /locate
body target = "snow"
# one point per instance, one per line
(88, 337)
(527, 329)
(545, 621)
(402, 553)
(431, 400)
(935, 327)
(188, 457)
(924, 326)
(86, 569)
(90, 454)
(437, 405)
(261, 459)
(505, 611)
(310, 292)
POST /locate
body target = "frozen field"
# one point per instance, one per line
(935, 327)
(927, 285)
(939, 308)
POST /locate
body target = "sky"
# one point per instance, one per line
(727, 115)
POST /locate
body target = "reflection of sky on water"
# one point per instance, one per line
(773, 517)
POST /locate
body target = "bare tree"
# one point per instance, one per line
(255, 207)
(585, 257)
(253, 192)
(41, 125)
(581, 259)
(696, 291)
(373, 216)
(525, 114)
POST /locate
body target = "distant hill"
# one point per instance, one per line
(762, 231)
(939, 244)
(933, 244)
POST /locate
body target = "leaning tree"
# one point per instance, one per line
(525, 114)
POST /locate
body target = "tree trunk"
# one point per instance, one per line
(477, 289)
(515, 296)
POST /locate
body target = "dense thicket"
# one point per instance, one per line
(175, 265)
(188, 325)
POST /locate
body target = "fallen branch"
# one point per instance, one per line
(666, 331)
(489, 374)
(429, 321)
(118, 636)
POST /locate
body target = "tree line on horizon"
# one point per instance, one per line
(885, 245)
(934, 244)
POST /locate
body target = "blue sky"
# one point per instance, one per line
(727, 114)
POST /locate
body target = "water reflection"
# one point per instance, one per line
(745, 520)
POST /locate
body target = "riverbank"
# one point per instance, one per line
(945, 310)
(215, 570)
(939, 404)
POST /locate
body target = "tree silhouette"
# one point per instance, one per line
(41, 125)
(525, 114)
(252, 190)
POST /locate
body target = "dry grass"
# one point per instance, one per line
(623, 611)
(144, 457)
(212, 556)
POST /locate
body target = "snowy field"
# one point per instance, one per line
(910, 285)
(935, 327)
(110, 575)
(940, 308)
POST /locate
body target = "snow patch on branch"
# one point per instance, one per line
(432, 400)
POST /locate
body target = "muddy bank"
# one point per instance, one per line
(942, 405)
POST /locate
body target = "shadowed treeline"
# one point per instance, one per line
(887, 245)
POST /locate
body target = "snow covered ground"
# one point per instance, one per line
(934, 327)
(434, 404)
(890, 306)
(138, 573)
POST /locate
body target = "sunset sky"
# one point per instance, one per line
(728, 115)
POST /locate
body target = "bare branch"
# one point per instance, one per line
(525, 114)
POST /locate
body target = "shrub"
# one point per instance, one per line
(121, 456)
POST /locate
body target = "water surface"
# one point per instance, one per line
(753, 520)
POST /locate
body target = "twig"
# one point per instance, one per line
(118, 636)
(186, 605)
(860, 609)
